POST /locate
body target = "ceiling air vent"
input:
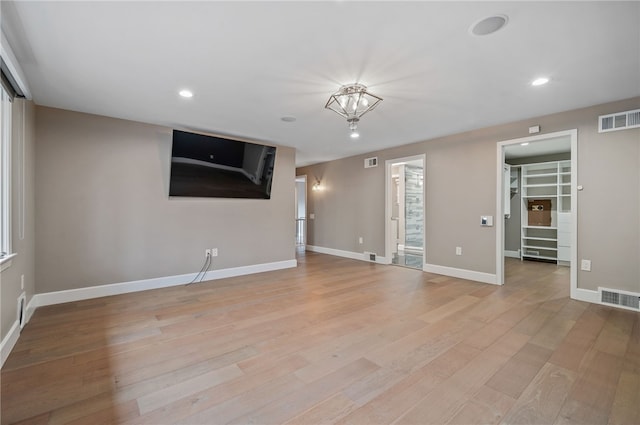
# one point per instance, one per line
(619, 121)
(627, 300)
(371, 162)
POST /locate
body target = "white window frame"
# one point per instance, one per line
(5, 176)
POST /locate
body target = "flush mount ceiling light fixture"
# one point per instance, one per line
(352, 102)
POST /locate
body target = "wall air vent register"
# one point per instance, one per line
(619, 121)
(623, 299)
(371, 162)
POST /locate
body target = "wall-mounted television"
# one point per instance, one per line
(214, 167)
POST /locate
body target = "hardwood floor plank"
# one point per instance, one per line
(115, 413)
(333, 340)
(444, 401)
(251, 389)
(42, 419)
(542, 400)
(580, 339)
(592, 396)
(383, 401)
(328, 412)
(554, 331)
(615, 334)
(486, 407)
(152, 401)
(517, 373)
(316, 392)
(338, 354)
(185, 365)
(627, 399)
(449, 308)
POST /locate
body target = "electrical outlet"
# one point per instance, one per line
(585, 265)
(458, 250)
(214, 252)
(360, 240)
(207, 253)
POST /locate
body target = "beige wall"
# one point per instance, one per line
(461, 186)
(104, 215)
(22, 215)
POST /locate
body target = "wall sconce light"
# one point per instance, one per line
(317, 186)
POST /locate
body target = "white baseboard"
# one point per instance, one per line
(59, 297)
(31, 308)
(594, 297)
(8, 342)
(586, 295)
(461, 273)
(512, 254)
(347, 254)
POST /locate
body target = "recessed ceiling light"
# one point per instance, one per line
(355, 134)
(186, 93)
(524, 143)
(540, 81)
(288, 118)
(489, 25)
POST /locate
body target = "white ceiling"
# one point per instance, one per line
(251, 63)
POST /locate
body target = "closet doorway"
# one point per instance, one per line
(537, 202)
(301, 212)
(405, 207)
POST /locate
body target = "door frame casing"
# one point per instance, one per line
(387, 205)
(302, 178)
(573, 134)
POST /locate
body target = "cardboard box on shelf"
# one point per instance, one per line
(539, 212)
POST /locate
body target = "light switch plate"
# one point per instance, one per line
(486, 220)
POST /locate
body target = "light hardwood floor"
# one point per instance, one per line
(332, 341)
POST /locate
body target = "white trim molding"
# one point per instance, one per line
(14, 66)
(362, 256)
(8, 342)
(59, 297)
(573, 135)
(461, 273)
(586, 295)
(429, 268)
(512, 254)
(79, 294)
(591, 296)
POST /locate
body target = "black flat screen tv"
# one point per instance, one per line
(213, 167)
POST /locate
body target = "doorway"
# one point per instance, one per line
(405, 211)
(301, 212)
(537, 202)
